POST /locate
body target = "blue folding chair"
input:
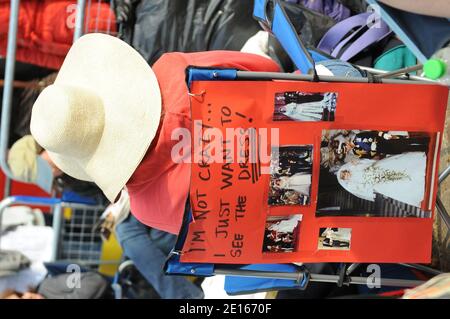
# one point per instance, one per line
(244, 279)
(281, 27)
(261, 277)
(265, 277)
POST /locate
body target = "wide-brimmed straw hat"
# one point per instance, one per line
(100, 116)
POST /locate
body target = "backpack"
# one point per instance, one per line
(352, 36)
(89, 285)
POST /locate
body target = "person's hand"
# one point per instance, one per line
(26, 295)
(31, 295)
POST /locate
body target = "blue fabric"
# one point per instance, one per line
(394, 271)
(288, 38)
(73, 197)
(58, 268)
(423, 35)
(239, 285)
(341, 68)
(44, 178)
(364, 146)
(148, 248)
(332, 8)
(317, 57)
(174, 266)
(396, 58)
(259, 9)
(199, 74)
(33, 200)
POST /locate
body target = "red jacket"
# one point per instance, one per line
(46, 27)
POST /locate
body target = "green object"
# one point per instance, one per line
(396, 58)
(434, 68)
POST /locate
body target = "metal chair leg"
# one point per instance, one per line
(443, 212)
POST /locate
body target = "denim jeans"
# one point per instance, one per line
(148, 248)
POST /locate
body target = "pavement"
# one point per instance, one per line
(441, 235)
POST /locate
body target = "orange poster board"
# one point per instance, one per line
(248, 212)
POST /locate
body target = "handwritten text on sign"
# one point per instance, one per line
(227, 164)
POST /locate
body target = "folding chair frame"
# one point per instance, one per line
(302, 276)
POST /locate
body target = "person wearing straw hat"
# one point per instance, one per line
(108, 118)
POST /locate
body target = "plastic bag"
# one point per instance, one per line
(191, 25)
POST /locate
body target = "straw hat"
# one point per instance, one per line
(99, 117)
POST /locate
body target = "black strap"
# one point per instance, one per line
(315, 75)
(342, 275)
(373, 78)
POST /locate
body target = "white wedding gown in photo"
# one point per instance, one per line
(310, 111)
(301, 183)
(287, 225)
(401, 177)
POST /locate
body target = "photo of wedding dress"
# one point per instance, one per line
(281, 233)
(290, 175)
(306, 107)
(310, 111)
(300, 182)
(304, 112)
(286, 225)
(375, 173)
(400, 177)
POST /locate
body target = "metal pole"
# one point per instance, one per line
(26, 200)
(57, 222)
(351, 268)
(400, 71)
(444, 175)
(316, 277)
(423, 268)
(443, 212)
(259, 274)
(8, 91)
(246, 75)
(366, 280)
(7, 187)
(410, 77)
(3, 205)
(386, 282)
(79, 20)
